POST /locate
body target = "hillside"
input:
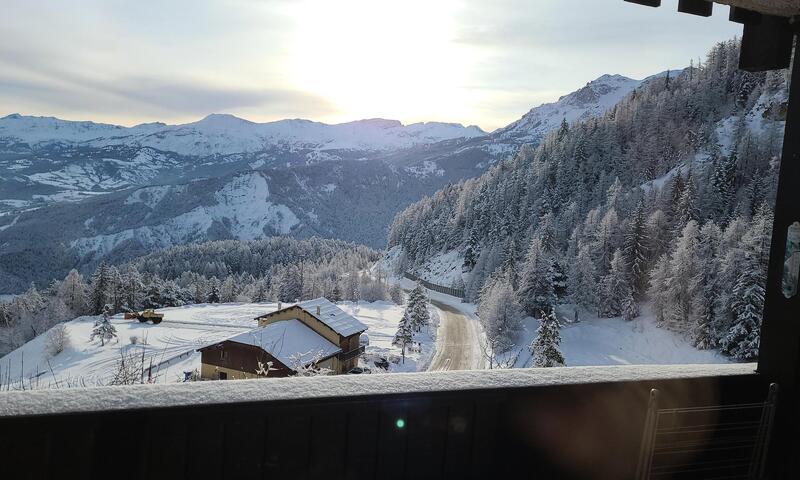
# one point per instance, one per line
(667, 198)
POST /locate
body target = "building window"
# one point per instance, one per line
(223, 355)
(223, 376)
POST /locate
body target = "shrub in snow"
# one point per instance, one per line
(129, 369)
(134, 339)
(57, 340)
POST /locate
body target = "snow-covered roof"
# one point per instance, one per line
(289, 338)
(341, 322)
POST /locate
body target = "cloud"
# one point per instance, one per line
(37, 84)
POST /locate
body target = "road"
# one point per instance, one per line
(457, 339)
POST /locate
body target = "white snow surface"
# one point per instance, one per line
(340, 321)
(593, 100)
(208, 393)
(289, 341)
(383, 318)
(227, 134)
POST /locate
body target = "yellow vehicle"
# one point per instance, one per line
(145, 316)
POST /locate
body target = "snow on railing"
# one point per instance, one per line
(128, 397)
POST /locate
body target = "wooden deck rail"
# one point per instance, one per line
(578, 422)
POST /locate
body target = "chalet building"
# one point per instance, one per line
(313, 332)
(330, 322)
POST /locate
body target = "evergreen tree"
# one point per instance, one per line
(583, 279)
(99, 289)
(614, 289)
(536, 290)
(743, 338)
(636, 252)
(471, 253)
(659, 280)
(545, 346)
(103, 329)
(213, 291)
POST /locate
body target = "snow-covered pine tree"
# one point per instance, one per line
(536, 291)
(743, 338)
(418, 308)
(659, 280)
(99, 289)
(630, 307)
(635, 251)
(545, 346)
(682, 288)
(103, 329)
(471, 252)
(583, 279)
(614, 288)
(404, 333)
(213, 291)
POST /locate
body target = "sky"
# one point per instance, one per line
(474, 62)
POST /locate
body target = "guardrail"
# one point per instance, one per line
(455, 292)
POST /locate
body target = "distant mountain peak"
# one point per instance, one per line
(223, 119)
(592, 100)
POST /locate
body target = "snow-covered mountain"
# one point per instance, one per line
(226, 134)
(117, 192)
(593, 100)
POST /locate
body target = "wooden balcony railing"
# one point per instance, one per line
(578, 422)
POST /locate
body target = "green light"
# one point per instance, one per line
(400, 423)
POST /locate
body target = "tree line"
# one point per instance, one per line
(273, 269)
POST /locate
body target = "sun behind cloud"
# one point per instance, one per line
(382, 59)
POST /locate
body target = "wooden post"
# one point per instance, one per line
(779, 355)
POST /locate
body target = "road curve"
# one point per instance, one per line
(456, 341)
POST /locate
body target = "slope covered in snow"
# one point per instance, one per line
(593, 100)
(171, 346)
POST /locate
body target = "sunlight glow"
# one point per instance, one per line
(377, 58)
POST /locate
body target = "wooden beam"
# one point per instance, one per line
(779, 355)
(646, 3)
(742, 15)
(766, 45)
(700, 8)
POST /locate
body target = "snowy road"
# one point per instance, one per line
(457, 346)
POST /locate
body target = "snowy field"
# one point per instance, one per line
(614, 341)
(171, 346)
